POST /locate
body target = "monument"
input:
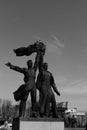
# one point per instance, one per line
(45, 83)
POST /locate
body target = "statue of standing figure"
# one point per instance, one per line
(45, 81)
(29, 85)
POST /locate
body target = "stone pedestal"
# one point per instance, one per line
(37, 124)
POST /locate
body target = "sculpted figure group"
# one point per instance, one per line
(44, 82)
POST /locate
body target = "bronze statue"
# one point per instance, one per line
(29, 85)
(45, 83)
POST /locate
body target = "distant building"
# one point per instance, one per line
(80, 116)
(61, 108)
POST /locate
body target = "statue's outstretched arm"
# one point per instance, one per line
(16, 68)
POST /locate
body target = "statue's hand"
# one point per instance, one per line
(8, 64)
(41, 47)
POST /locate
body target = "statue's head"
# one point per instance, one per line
(29, 63)
(45, 66)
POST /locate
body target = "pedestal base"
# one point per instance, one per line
(37, 124)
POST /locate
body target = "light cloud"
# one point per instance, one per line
(74, 83)
(51, 48)
(61, 81)
(69, 86)
(57, 42)
(66, 81)
(76, 87)
(54, 45)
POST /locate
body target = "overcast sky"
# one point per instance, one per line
(62, 26)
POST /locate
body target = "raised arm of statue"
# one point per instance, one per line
(41, 63)
(16, 68)
(54, 86)
(36, 63)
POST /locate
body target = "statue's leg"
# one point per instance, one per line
(40, 103)
(22, 107)
(43, 104)
(47, 105)
(33, 98)
(41, 109)
(54, 110)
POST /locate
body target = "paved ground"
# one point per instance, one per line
(5, 128)
(64, 129)
(74, 129)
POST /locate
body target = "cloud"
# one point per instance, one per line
(52, 49)
(74, 83)
(53, 44)
(61, 80)
(66, 81)
(78, 87)
(69, 86)
(57, 42)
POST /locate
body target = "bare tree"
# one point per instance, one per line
(7, 109)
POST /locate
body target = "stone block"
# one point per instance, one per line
(38, 124)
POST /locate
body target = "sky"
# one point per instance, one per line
(62, 26)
